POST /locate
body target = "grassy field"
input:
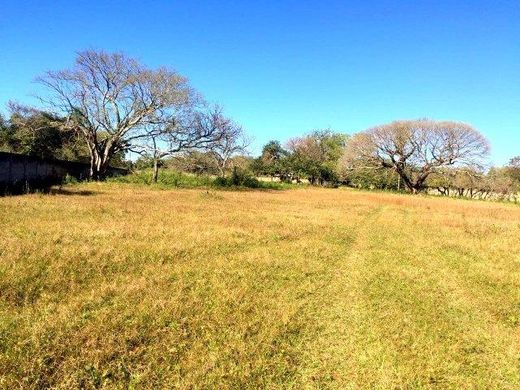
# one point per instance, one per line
(121, 286)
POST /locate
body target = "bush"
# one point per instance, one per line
(70, 180)
(174, 179)
(239, 178)
(167, 179)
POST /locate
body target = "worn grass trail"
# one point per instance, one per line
(118, 286)
(408, 311)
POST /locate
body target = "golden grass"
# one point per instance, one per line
(119, 286)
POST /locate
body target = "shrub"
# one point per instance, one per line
(167, 178)
(239, 178)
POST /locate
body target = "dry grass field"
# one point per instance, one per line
(121, 286)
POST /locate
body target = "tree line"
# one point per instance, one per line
(442, 157)
(107, 106)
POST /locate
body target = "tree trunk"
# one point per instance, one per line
(155, 175)
(222, 167)
(221, 170)
(95, 163)
(98, 165)
(92, 170)
(407, 182)
(93, 154)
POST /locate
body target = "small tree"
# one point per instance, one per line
(195, 130)
(417, 148)
(231, 143)
(317, 155)
(502, 185)
(272, 161)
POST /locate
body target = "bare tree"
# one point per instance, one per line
(232, 142)
(114, 101)
(417, 148)
(193, 130)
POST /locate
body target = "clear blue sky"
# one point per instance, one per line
(282, 68)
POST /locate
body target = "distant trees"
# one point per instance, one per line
(513, 168)
(496, 183)
(108, 104)
(272, 161)
(466, 181)
(41, 134)
(316, 156)
(415, 149)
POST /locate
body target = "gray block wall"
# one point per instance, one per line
(20, 173)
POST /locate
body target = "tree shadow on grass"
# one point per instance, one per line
(8, 192)
(71, 192)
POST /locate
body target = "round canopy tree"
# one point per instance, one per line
(417, 148)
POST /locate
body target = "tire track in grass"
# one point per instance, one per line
(332, 357)
(432, 331)
(396, 315)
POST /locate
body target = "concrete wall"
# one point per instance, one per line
(20, 173)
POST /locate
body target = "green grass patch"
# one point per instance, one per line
(168, 179)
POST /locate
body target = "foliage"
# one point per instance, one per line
(370, 178)
(169, 178)
(273, 160)
(513, 169)
(40, 134)
(239, 178)
(316, 156)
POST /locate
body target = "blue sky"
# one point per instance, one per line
(283, 68)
